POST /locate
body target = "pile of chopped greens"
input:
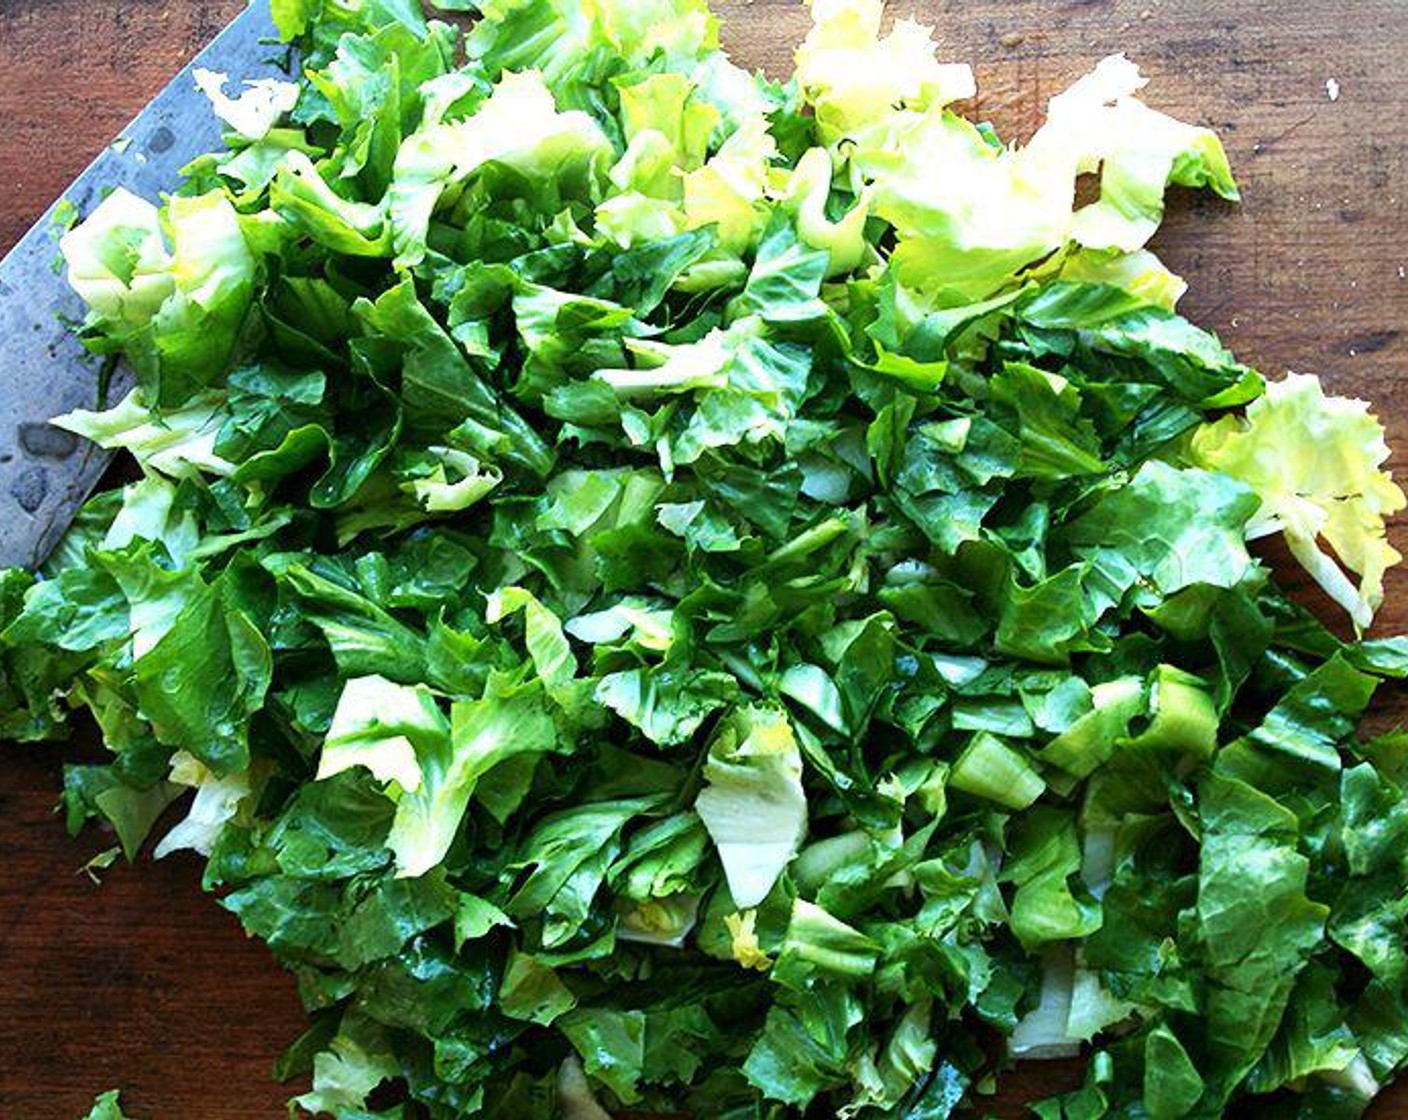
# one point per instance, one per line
(657, 588)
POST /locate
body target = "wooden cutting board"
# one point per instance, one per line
(145, 984)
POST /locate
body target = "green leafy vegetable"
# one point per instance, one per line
(1338, 494)
(753, 803)
(106, 1107)
(651, 587)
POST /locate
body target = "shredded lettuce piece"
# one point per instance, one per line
(176, 312)
(753, 803)
(217, 800)
(177, 443)
(107, 1107)
(973, 218)
(1316, 462)
(518, 126)
(258, 108)
(377, 724)
(856, 79)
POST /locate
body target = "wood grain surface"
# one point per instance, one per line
(144, 983)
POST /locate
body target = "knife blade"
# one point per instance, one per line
(45, 473)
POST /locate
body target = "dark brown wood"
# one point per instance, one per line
(145, 983)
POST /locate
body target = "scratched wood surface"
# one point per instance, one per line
(144, 983)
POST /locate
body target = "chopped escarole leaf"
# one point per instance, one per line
(855, 78)
(1316, 462)
(517, 128)
(971, 216)
(753, 803)
(653, 588)
(107, 1107)
(175, 314)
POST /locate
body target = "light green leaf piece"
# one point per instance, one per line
(457, 481)
(809, 193)
(534, 992)
(991, 769)
(1138, 153)
(384, 727)
(258, 107)
(729, 192)
(1172, 1084)
(1316, 463)
(753, 803)
(217, 801)
(666, 705)
(118, 262)
(558, 36)
(518, 127)
(817, 948)
(107, 1107)
(149, 513)
(1000, 211)
(858, 81)
(301, 196)
(483, 734)
(1169, 529)
(196, 329)
(344, 1075)
(547, 643)
(177, 443)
